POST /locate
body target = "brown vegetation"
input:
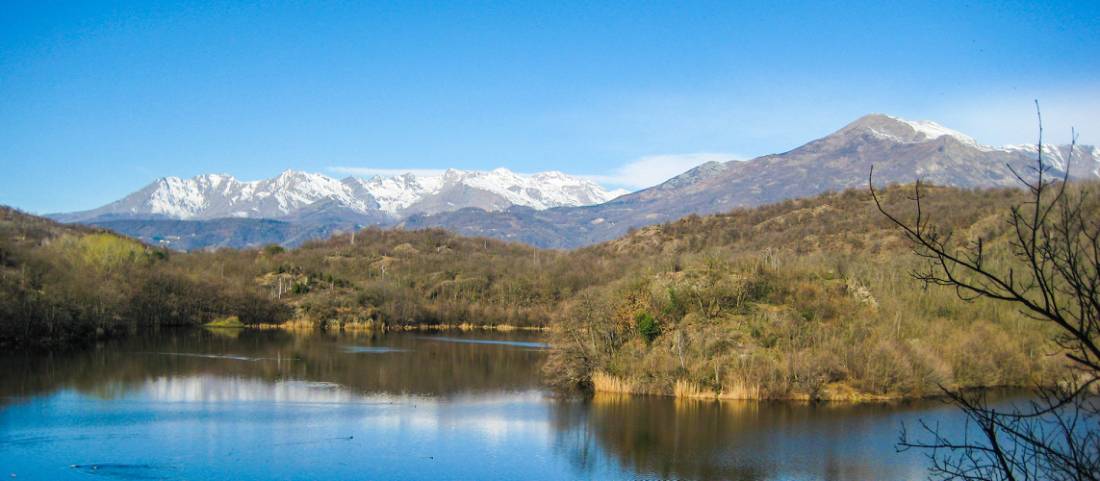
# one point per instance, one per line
(806, 299)
(1048, 267)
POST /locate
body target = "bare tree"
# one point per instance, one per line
(1052, 277)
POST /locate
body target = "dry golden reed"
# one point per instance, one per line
(603, 382)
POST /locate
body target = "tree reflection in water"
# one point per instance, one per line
(668, 438)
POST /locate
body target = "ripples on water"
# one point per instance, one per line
(193, 404)
(529, 344)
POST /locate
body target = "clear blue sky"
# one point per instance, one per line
(99, 98)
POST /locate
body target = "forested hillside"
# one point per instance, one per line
(69, 284)
(62, 284)
(806, 298)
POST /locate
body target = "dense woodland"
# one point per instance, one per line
(807, 298)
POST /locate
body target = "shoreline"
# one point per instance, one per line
(304, 325)
(605, 385)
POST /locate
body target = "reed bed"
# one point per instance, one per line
(603, 382)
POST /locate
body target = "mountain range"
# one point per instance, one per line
(294, 194)
(900, 150)
(556, 210)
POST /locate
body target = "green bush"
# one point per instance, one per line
(647, 326)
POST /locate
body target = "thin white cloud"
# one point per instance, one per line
(654, 169)
(373, 171)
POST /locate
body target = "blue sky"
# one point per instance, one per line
(97, 99)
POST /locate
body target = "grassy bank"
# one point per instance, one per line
(605, 384)
(371, 326)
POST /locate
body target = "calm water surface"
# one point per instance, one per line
(196, 404)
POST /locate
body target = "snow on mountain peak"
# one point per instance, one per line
(1081, 160)
(907, 131)
(931, 130)
(221, 195)
(539, 191)
(1060, 157)
(174, 197)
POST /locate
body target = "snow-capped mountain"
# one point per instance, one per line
(212, 196)
(494, 190)
(1083, 160)
(900, 150)
(545, 209)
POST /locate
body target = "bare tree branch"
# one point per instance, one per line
(1053, 276)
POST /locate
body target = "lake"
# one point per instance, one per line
(243, 405)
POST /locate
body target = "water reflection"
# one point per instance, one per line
(259, 405)
(667, 438)
(219, 389)
(529, 344)
(404, 364)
